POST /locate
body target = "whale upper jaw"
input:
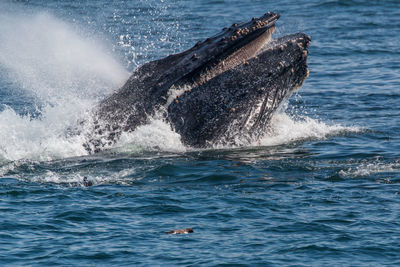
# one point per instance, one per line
(230, 47)
(226, 49)
(232, 83)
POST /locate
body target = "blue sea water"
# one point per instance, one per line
(321, 188)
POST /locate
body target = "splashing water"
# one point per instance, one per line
(46, 56)
(68, 73)
(286, 129)
(157, 135)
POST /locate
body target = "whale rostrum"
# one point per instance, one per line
(221, 91)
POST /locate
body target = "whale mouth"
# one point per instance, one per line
(251, 47)
(240, 44)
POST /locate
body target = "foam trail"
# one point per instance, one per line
(67, 73)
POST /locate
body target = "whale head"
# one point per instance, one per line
(223, 90)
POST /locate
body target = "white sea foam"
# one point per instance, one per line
(287, 129)
(83, 178)
(41, 139)
(157, 135)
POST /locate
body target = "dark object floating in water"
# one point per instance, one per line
(86, 182)
(221, 91)
(179, 232)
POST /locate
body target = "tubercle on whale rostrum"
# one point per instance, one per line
(238, 31)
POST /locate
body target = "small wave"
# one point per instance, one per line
(81, 178)
(367, 169)
(71, 172)
(336, 3)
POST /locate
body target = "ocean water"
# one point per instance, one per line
(320, 189)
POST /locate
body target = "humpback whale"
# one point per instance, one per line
(221, 91)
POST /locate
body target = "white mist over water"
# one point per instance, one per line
(65, 71)
(46, 56)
